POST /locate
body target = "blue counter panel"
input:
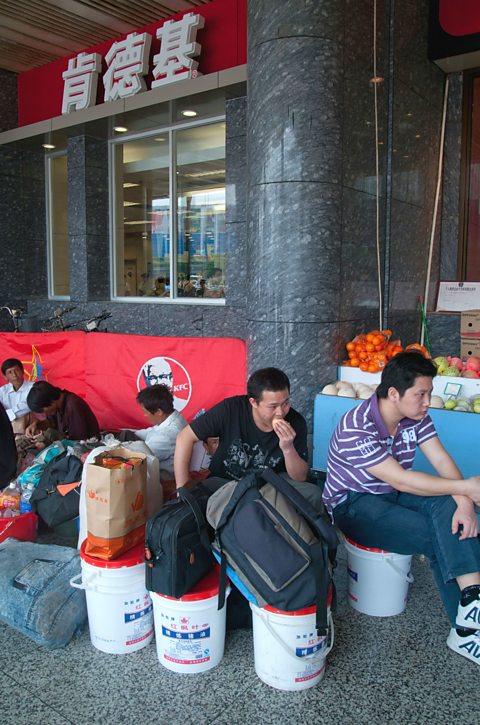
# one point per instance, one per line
(459, 433)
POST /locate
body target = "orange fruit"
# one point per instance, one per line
(354, 362)
(350, 346)
(373, 368)
(370, 347)
(363, 366)
(415, 346)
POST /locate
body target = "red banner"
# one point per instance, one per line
(108, 370)
(58, 357)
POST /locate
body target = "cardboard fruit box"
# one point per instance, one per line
(470, 334)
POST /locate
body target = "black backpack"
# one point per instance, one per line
(280, 549)
(47, 500)
(177, 544)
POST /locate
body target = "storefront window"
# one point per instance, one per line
(201, 211)
(58, 247)
(169, 214)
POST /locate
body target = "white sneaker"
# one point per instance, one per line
(468, 613)
(468, 646)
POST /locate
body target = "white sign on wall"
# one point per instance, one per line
(127, 64)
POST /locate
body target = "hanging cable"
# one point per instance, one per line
(435, 206)
(377, 171)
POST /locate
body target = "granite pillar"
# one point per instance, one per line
(88, 227)
(8, 100)
(294, 151)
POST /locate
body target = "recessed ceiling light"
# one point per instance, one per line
(129, 184)
(189, 114)
(159, 138)
(131, 203)
(48, 145)
(120, 129)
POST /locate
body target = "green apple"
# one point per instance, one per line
(450, 404)
(441, 363)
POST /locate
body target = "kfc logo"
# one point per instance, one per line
(169, 372)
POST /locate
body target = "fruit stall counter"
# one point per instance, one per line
(459, 432)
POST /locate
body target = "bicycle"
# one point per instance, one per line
(57, 323)
(15, 315)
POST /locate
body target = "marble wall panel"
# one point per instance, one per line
(224, 322)
(88, 218)
(359, 35)
(411, 54)
(236, 180)
(450, 207)
(237, 273)
(406, 326)
(444, 334)
(413, 136)
(268, 21)
(295, 136)
(308, 353)
(236, 115)
(176, 321)
(78, 266)
(8, 100)
(294, 252)
(359, 286)
(98, 267)
(236, 205)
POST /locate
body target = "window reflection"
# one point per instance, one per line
(201, 211)
(154, 257)
(59, 268)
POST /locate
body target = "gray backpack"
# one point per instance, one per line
(272, 544)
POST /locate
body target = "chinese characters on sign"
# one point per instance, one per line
(127, 64)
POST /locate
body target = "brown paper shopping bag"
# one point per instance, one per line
(116, 498)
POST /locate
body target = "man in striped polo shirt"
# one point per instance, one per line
(377, 499)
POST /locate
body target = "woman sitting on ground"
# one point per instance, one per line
(156, 402)
(69, 415)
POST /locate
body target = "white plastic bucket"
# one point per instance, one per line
(120, 617)
(190, 631)
(289, 654)
(377, 580)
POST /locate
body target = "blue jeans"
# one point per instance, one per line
(408, 524)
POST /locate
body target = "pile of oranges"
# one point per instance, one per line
(371, 352)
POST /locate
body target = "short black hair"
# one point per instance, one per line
(271, 379)
(156, 397)
(402, 370)
(11, 362)
(41, 395)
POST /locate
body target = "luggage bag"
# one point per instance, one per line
(272, 542)
(177, 544)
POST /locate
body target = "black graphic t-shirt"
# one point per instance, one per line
(243, 447)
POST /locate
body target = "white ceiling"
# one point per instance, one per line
(36, 32)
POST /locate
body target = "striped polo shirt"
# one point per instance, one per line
(361, 440)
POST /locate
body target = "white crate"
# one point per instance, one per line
(469, 386)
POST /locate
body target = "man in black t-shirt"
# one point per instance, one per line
(255, 431)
